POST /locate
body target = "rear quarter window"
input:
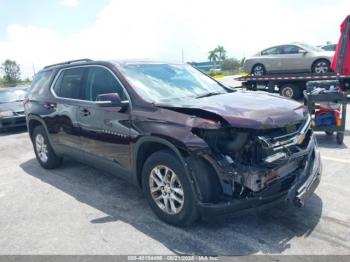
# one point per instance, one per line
(40, 83)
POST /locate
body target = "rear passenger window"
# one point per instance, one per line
(40, 82)
(101, 81)
(272, 51)
(69, 83)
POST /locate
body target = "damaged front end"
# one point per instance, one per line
(257, 167)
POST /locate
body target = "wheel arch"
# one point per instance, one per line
(146, 146)
(33, 122)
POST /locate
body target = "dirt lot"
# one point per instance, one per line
(79, 210)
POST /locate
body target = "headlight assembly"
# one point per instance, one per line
(6, 114)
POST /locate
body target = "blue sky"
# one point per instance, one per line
(38, 33)
(49, 13)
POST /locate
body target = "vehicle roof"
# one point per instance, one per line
(119, 62)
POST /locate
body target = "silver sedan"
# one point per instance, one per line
(290, 58)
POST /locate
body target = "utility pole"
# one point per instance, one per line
(33, 69)
(182, 56)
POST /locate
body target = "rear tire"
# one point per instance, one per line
(258, 70)
(158, 171)
(321, 66)
(43, 150)
(340, 138)
(290, 91)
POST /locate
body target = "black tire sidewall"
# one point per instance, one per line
(189, 213)
(53, 160)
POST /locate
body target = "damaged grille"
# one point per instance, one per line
(255, 159)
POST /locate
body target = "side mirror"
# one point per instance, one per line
(111, 100)
(302, 51)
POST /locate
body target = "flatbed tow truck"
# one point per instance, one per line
(289, 85)
(293, 85)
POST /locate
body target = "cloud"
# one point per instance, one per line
(161, 29)
(70, 3)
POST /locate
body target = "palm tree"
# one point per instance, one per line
(221, 52)
(213, 57)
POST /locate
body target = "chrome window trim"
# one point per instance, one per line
(82, 100)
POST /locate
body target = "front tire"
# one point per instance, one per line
(258, 70)
(43, 150)
(168, 189)
(321, 66)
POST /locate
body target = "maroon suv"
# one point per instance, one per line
(195, 146)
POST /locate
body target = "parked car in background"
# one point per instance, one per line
(11, 107)
(289, 58)
(330, 47)
(194, 146)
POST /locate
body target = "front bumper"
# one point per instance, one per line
(14, 121)
(302, 186)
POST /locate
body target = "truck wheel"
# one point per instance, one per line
(320, 66)
(168, 190)
(340, 138)
(329, 133)
(290, 91)
(258, 70)
(43, 150)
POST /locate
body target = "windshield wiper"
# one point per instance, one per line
(210, 94)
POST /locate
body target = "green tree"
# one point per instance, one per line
(213, 57)
(221, 52)
(11, 71)
(230, 64)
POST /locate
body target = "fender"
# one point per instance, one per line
(135, 149)
(31, 117)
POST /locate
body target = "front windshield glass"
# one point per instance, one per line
(11, 96)
(312, 48)
(161, 83)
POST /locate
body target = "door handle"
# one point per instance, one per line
(85, 112)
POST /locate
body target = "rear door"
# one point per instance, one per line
(63, 121)
(105, 131)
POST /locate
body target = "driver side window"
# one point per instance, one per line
(101, 81)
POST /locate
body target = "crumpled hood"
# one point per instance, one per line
(13, 106)
(257, 110)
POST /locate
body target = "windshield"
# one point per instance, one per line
(11, 96)
(169, 83)
(312, 48)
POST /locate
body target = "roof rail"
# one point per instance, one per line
(69, 62)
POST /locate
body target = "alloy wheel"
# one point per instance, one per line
(321, 67)
(166, 190)
(258, 70)
(41, 148)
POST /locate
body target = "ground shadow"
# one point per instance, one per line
(267, 232)
(329, 141)
(13, 131)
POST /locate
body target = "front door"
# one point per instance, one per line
(104, 131)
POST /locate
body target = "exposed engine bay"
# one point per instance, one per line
(253, 159)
